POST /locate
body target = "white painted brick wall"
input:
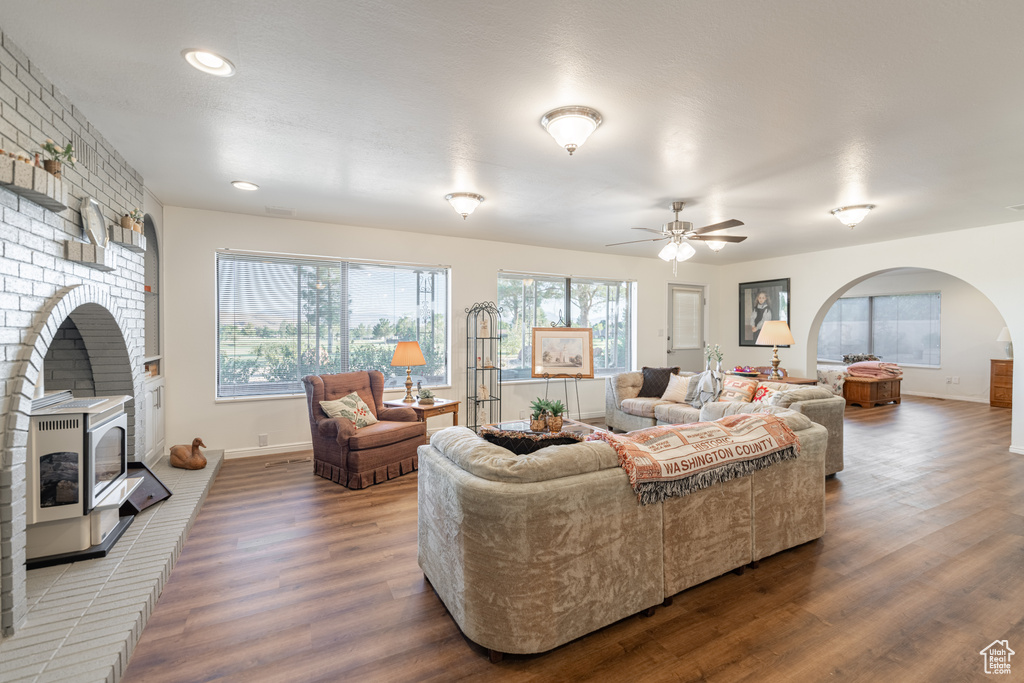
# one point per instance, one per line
(33, 272)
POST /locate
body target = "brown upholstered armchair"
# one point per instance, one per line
(358, 458)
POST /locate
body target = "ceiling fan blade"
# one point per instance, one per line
(717, 238)
(656, 232)
(732, 223)
(656, 239)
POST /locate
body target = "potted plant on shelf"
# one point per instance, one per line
(426, 397)
(538, 415)
(136, 216)
(556, 408)
(56, 155)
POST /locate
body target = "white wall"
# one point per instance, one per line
(987, 258)
(966, 348)
(191, 237)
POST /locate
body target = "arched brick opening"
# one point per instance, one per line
(115, 371)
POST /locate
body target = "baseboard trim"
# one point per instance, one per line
(232, 453)
(1019, 450)
(948, 397)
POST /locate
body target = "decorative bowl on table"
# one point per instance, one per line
(744, 374)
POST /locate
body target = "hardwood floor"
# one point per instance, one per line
(289, 577)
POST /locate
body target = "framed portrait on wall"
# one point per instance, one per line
(563, 352)
(760, 302)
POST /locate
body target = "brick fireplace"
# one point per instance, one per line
(87, 323)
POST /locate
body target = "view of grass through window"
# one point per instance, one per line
(900, 328)
(280, 319)
(528, 301)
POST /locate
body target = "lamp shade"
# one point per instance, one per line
(1004, 335)
(407, 353)
(684, 251)
(668, 252)
(775, 333)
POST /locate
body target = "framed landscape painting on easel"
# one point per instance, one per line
(563, 352)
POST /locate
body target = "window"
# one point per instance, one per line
(901, 328)
(280, 319)
(528, 301)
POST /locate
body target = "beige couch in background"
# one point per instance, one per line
(625, 412)
(529, 552)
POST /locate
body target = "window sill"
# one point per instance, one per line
(276, 397)
(541, 380)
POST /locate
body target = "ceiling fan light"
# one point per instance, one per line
(571, 126)
(668, 252)
(684, 251)
(464, 203)
(715, 245)
(851, 216)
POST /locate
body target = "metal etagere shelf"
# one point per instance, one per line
(483, 364)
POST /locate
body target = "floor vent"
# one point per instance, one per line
(282, 463)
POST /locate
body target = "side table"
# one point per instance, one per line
(440, 406)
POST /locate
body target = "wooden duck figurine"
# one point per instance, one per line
(189, 458)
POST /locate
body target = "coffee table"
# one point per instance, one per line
(516, 435)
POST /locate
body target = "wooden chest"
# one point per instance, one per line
(870, 392)
(1001, 384)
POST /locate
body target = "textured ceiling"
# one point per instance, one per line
(368, 113)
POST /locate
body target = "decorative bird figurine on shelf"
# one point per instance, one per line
(189, 457)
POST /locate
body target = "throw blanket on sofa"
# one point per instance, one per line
(674, 460)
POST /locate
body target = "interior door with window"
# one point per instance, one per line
(686, 327)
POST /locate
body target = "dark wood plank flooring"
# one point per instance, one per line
(288, 577)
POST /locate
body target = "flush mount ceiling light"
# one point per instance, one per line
(464, 202)
(245, 185)
(571, 126)
(208, 62)
(851, 216)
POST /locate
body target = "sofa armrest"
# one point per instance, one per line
(397, 415)
(336, 427)
(624, 385)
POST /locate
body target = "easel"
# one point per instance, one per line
(565, 378)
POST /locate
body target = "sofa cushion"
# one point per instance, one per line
(641, 407)
(352, 408)
(676, 413)
(788, 397)
(738, 389)
(763, 394)
(676, 389)
(489, 461)
(385, 434)
(655, 381)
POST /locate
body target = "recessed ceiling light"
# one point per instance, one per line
(208, 62)
(245, 185)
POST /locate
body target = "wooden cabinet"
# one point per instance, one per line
(1001, 384)
(870, 392)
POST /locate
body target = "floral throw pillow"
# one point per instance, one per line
(351, 408)
(763, 394)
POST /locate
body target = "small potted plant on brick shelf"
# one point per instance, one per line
(57, 155)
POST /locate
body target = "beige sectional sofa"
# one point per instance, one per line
(529, 552)
(625, 412)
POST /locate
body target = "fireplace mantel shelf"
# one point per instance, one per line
(34, 184)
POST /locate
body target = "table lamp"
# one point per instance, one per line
(408, 353)
(1004, 336)
(775, 332)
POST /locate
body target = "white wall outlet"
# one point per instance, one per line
(522, 414)
(949, 380)
(264, 439)
(956, 379)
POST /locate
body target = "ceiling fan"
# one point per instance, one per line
(678, 232)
